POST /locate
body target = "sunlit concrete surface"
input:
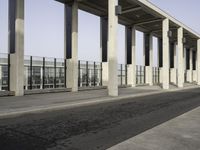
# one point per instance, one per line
(181, 133)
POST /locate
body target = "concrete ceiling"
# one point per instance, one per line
(139, 13)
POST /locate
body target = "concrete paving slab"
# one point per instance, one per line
(181, 133)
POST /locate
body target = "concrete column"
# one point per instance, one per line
(148, 57)
(198, 62)
(191, 66)
(195, 66)
(130, 55)
(160, 60)
(165, 30)
(104, 49)
(175, 55)
(0, 77)
(112, 48)
(184, 66)
(71, 45)
(16, 46)
(175, 64)
(150, 60)
(180, 58)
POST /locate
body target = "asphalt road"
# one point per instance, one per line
(94, 127)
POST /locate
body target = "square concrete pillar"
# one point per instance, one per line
(16, 46)
(104, 49)
(173, 63)
(148, 57)
(160, 60)
(160, 53)
(198, 61)
(175, 55)
(130, 56)
(112, 48)
(71, 45)
(174, 77)
(0, 78)
(165, 30)
(180, 58)
(191, 66)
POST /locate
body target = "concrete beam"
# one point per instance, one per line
(112, 49)
(131, 10)
(147, 22)
(16, 46)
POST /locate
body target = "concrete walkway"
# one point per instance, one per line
(53, 101)
(181, 133)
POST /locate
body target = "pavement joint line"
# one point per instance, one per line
(61, 106)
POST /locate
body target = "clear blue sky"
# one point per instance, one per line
(44, 28)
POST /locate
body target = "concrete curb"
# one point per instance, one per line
(40, 109)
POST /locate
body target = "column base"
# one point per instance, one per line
(72, 75)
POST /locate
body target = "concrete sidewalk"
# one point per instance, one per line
(10, 106)
(181, 133)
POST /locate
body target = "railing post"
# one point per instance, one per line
(144, 74)
(55, 72)
(8, 72)
(65, 72)
(87, 74)
(31, 72)
(94, 74)
(43, 78)
(121, 75)
(136, 74)
(158, 75)
(8, 69)
(126, 74)
(79, 73)
(101, 82)
(141, 75)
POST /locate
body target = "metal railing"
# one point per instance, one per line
(90, 74)
(140, 74)
(44, 73)
(122, 74)
(4, 72)
(156, 75)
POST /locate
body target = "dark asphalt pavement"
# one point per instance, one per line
(94, 127)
